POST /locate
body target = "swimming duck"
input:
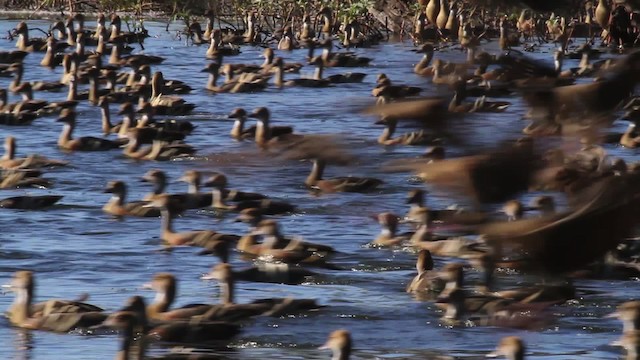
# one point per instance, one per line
(341, 59)
(214, 73)
(288, 41)
(10, 57)
(118, 206)
(128, 37)
(181, 201)
(511, 347)
(216, 48)
(51, 59)
(268, 273)
(202, 238)
(269, 63)
(27, 44)
(388, 235)
(29, 202)
(220, 181)
(158, 150)
(239, 132)
(149, 129)
(11, 179)
(167, 104)
(28, 103)
(350, 77)
(52, 315)
(85, 143)
(266, 206)
(165, 285)
(338, 184)
(423, 67)
(426, 280)
(393, 91)
(316, 81)
(132, 320)
(33, 161)
(264, 136)
(273, 239)
(18, 72)
(413, 138)
(277, 306)
(339, 342)
(246, 82)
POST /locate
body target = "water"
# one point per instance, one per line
(74, 247)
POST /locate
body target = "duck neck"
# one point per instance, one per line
(17, 78)
(71, 34)
(226, 291)
(9, 152)
(101, 48)
(425, 61)
(118, 198)
(194, 187)
(217, 199)
(278, 80)
(341, 354)
(213, 80)
(125, 126)
(262, 131)
(115, 54)
(23, 40)
(73, 90)
(106, 119)
(27, 95)
(454, 310)
(163, 300)
(318, 73)
(93, 90)
(316, 172)
(167, 220)
(21, 307)
(238, 127)
(66, 134)
(388, 231)
(387, 133)
(127, 350)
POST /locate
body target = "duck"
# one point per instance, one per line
(339, 342)
(423, 67)
(338, 184)
(182, 201)
(314, 82)
(150, 130)
(167, 104)
(22, 178)
(166, 287)
(388, 235)
(288, 41)
(128, 37)
(52, 315)
(214, 73)
(14, 56)
(29, 202)
(427, 280)
(21, 118)
(414, 138)
(117, 57)
(511, 347)
(170, 238)
(25, 43)
(277, 306)
(266, 206)
(341, 59)
(132, 320)
(216, 48)
(350, 77)
(246, 82)
(385, 88)
(269, 63)
(34, 161)
(159, 150)
(220, 181)
(264, 136)
(273, 239)
(28, 103)
(51, 59)
(630, 341)
(118, 206)
(18, 73)
(267, 273)
(85, 143)
(238, 131)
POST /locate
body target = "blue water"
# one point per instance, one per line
(74, 247)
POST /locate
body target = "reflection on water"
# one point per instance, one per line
(74, 248)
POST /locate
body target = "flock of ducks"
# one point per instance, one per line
(561, 103)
